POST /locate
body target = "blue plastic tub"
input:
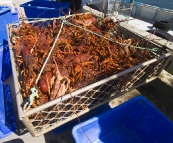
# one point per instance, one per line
(45, 9)
(136, 121)
(7, 117)
(6, 17)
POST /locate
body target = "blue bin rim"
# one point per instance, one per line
(25, 5)
(4, 9)
(139, 97)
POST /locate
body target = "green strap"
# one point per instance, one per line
(131, 1)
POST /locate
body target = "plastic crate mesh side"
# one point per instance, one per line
(5, 18)
(68, 108)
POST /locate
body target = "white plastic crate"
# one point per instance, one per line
(55, 113)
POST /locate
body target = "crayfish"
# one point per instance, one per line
(86, 51)
(61, 84)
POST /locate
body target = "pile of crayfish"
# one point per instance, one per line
(87, 50)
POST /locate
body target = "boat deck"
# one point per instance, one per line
(140, 24)
(161, 101)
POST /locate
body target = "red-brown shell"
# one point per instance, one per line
(44, 82)
(43, 86)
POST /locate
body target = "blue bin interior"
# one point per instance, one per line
(5, 18)
(45, 9)
(136, 121)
